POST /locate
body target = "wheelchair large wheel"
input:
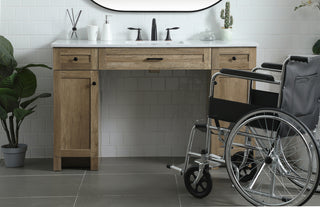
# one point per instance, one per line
(285, 155)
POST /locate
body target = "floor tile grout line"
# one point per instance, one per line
(22, 197)
(177, 186)
(75, 200)
(133, 173)
(40, 175)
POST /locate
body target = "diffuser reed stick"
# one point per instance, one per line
(74, 21)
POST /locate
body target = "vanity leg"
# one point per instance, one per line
(94, 163)
(56, 163)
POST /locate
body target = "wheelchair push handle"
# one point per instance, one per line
(277, 66)
(299, 59)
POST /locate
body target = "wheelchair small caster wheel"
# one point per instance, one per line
(204, 186)
(247, 172)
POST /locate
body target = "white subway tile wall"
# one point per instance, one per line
(145, 114)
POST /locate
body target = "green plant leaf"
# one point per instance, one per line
(9, 103)
(6, 45)
(3, 113)
(28, 102)
(20, 114)
(8, 81)
(316, 48)
(34, 65)
(8, 99)
(25, 83)
(7, 61)
(8, 91)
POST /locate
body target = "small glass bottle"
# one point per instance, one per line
(74, 34)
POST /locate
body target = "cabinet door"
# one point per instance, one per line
(232, 89)
(76, 114)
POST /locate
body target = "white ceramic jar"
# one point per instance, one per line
(92, 31)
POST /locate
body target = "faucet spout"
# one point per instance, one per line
(154, 30)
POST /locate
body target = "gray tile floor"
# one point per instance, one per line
(119, 182)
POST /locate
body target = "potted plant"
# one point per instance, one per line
(17, 86)
(228, 22)
(316, 4)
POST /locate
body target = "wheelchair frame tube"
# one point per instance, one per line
(191, 138)
(214, 157)
(281, 82)
(213, 79)
(208, 136)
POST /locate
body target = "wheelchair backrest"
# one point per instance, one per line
(301, 89)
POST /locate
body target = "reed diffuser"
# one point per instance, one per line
(74, 21)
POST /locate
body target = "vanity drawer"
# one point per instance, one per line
(233, 58)
(75, 59)
(154, 58)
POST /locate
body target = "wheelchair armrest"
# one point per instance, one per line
(247, 74)
(272, 66)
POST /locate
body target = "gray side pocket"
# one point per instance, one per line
(304, 97)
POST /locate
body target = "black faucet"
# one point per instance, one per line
(168, 38)
(154, 30)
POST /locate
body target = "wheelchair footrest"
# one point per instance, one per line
(175, 168)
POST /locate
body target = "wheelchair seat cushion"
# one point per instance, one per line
(247, 74)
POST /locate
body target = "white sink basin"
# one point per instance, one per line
(155, 43)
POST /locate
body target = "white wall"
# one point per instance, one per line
(146, 114)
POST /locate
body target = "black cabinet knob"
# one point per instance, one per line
(75, 59)
(234, 58)
(94, 83)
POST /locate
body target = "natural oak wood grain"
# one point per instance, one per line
(168, 59)
(76, 114)
(75, 59)
(76, 99)
(230, 88)
(95, 117)
(75, 152)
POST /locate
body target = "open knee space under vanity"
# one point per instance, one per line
(76, 83)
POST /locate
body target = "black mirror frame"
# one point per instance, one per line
(155, 10)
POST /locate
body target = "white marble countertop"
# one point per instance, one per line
(152, 44)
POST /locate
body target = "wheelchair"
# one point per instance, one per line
(270, 152)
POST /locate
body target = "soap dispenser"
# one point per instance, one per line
(106, 34)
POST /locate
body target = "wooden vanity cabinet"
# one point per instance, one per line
(76, 87)
(76, 105)
(230, 88)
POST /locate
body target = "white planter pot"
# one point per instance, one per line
(226, 34)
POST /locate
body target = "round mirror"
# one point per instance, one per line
(156, 5)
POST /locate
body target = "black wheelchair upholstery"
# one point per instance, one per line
(247, 74)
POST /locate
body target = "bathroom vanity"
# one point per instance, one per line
(76, 82)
